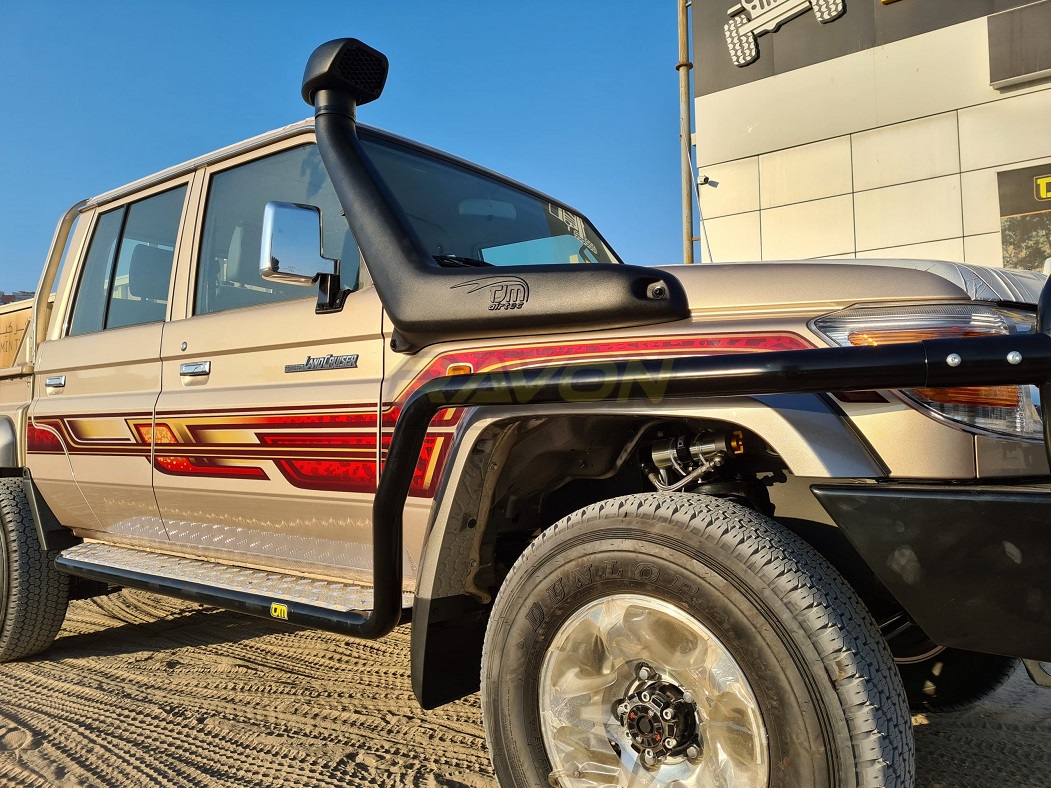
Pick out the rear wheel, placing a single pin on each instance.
(684, 640)
(33, 594)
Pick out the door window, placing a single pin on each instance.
(128, 266)
(228, 270)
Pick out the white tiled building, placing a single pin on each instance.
(888, 150)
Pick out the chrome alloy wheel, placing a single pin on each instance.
(634, 691)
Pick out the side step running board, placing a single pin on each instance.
(320, 604)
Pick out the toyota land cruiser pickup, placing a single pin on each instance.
(712, 525)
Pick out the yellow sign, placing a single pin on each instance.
(1042, 187)
(277, 610)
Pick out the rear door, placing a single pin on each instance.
(97, 382)
(266, 428)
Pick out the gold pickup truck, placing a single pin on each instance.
(690, 526)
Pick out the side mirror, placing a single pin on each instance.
(291, 248)
(290, 252)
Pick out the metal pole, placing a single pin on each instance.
(685, 136)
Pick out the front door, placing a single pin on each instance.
(266, 429)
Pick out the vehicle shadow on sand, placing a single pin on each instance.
(122, 623)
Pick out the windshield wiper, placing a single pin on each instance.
(455, 261)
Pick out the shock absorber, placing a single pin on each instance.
(692, 458)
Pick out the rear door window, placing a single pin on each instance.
(127, 271)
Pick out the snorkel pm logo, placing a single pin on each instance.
(750, 19)
(505, 292)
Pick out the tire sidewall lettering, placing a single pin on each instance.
(558, 599)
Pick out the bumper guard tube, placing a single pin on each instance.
(940, 362)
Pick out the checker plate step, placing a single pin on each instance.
(323, 604)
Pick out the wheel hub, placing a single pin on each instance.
(626, 669)
(659, 717)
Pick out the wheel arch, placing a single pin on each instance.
(51, 534)
(457, 577)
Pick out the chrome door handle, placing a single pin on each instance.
(55, 382)
(195, 369)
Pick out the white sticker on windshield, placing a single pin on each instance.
(576, 225)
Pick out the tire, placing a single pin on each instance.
(33, 594)
(742, 46)
(937, 678)
(644, 584)
(954, 679)
(828, 10)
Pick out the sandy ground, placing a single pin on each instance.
(144, 690)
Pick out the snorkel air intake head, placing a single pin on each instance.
(354, 71)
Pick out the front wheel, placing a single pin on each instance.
(673, 639)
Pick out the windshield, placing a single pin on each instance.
(465, 217)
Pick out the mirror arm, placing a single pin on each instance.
(331, 296)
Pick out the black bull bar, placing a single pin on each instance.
(983, 361)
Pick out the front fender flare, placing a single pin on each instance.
(448, 630)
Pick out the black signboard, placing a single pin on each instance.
(1020, 45)
(740, 41)
(1025, 216)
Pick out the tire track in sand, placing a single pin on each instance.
(142, 689)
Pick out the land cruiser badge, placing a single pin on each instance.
(318, 363)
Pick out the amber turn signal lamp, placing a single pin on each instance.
(980, 396)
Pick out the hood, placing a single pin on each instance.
(831, 284)
(980, 282)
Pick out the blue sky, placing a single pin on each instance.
(578, 98)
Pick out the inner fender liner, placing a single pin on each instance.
(970, 564)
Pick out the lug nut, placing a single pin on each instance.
(692, 752)
(667, 714)
(645, 697)
(687, 696)
(644, 673)
(669, 743)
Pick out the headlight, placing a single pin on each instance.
(1006, 410)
